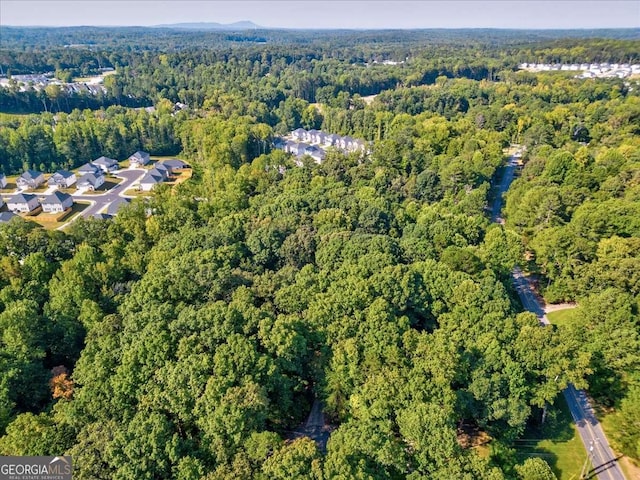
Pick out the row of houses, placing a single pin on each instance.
(300, 149)
(313, 143)
(160, 173)
(39, 82)
(90, 176)
(318, 137)
(57, 202)
(589, 70)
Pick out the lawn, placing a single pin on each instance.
(557, 442)
(50, 221)
(562, 317)
(11, 184)
(181, 176)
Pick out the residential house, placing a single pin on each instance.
(139, 159)
(30, 179)
(56, 202)
(90, 168)
(106, 164)
(116, 205)
(23, 202)
(300, 149)
(299, 133)
(173, 164)
(3, 180)
(6, 216)
(160, 169)
(357, 145)
(62, 179)
(319, 138)
(345, 142)
(151, 179)
(290, 146)
(316, 153)
(90, 181)
(331, 140)
(310, 136)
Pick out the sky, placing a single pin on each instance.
(361, 14)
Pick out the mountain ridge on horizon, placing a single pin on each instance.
(241, 25)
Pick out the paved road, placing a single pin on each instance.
(100, 201)
(503, 186)
(605, 465)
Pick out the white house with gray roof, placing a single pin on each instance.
(62, 179)
(106, 164)
(30, 179)
(90, 181)
(90, 168)
(3, 180)
(299, 133)
(139, 159)
(173, 164)
(57, 202)
(151, 179)
(23, 202)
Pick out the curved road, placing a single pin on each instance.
(102, 200)
(605, 464)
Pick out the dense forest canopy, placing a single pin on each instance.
(189, 336)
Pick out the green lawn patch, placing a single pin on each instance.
(557, 442)
(53, 221)
(9, 189)
(562, 317)
(11, 184)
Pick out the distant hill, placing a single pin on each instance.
(243, 25)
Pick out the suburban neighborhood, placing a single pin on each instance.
(587, 70)
(97, 189)
(38, 82)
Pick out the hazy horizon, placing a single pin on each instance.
(325, 14)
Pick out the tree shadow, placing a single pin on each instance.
(557, 427)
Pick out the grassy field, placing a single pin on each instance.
(557, 442)
(561, 317)
(11, 184)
